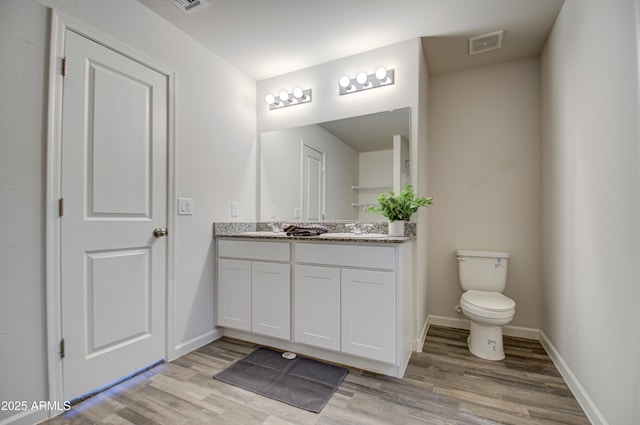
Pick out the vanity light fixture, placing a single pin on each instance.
(284, 98)
(362, 81)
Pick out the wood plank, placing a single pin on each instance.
(443, 385)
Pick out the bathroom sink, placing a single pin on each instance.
(270, 234)
(355, 236)
(264, 233)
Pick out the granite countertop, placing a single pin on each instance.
(337, 233)
(326, 237)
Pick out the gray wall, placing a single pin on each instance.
(484, 175)
(591, 202)
(215, 118)
(23, 108)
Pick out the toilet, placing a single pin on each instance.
(483, 277)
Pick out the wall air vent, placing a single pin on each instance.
(486, 42)
(190, 6)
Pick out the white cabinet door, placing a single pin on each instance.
(369, 314)
(234, 294)
(317, 306)
(271, 299)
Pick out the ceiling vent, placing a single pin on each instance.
(190, 6)
(486, 42)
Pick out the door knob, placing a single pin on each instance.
(159, 232)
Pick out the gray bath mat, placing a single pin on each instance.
(301, 382)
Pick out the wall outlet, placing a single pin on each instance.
(274, 211)
(296, 213)
(185, 206)
(235, 207)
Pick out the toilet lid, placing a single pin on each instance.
(494, 301)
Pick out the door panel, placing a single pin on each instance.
(114, 185)
(119, 123)
(109, 275)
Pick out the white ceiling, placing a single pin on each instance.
(265, 38)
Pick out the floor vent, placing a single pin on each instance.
(486, 42)
(191, 6)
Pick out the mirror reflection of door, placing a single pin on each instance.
(401, 170)
(313, 183)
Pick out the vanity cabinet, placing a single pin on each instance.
(345, 299)
(345, 302)
(254, 287)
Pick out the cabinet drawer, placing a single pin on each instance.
(374, 257)
(253, 250)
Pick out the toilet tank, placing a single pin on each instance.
(482, 270)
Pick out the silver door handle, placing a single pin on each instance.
(159, 232)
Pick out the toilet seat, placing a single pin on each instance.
(491, 305)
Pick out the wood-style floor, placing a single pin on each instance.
(445, 384)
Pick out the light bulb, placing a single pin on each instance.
(381, 73)
(345, 82)
(297, 92)
(284, 96)
(270, 99)
(361, 78)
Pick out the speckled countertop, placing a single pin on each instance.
(337, 232)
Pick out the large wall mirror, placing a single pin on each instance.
(332, 170)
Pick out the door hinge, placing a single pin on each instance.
(62, 348)
(61, 207)
(64, 66)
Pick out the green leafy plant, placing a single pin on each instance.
(401, 206)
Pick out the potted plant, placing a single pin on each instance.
(399, 208)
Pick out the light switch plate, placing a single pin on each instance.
(185, 206)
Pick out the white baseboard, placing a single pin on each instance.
(194, 343)
(454, 322)
(422, 336)
(589, 407)
(449, 322)
(28, 417)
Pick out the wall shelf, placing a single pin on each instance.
(372, 187)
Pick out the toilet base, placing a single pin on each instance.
(485, 341)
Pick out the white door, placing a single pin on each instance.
(114, 186)
(313, 171)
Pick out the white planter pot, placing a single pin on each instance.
(396, 228)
